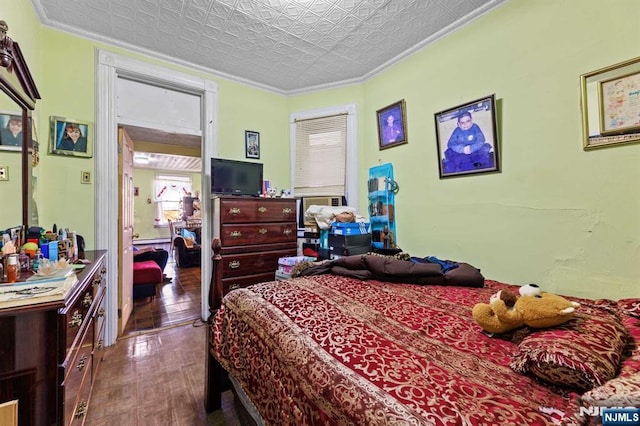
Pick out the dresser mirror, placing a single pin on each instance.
(17, 157)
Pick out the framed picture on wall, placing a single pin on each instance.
(392, 125)
(467, 139)
(11, 131)
(71, 137)
(610, 107)
(252, 144)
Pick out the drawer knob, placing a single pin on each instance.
(234, 210)
(287, 231)
(81, 410)
(87, 301)
(98, 280)
(234, 287)
(100, 344)
(262, 231)
(76, 319)
(82, 362)
(235, 234)
(262, 209)
(103, 270)
(234, 264)
(100, 312)
(287, 211)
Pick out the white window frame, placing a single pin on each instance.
(184, 180)
(351, 171)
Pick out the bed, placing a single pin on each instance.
(334, 349)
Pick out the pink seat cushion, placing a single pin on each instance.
(146, 272)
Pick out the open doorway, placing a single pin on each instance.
(167, 184)
(112, 70)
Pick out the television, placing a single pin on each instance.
(233, 177)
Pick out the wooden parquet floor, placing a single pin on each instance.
(177, 301)
(155, 373)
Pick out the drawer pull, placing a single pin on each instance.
(76, 319)
(100, 344)
(235, 234)
(100, 312)
(81, 410)
(234, 287)
(87, 301)
(287, 232)
(262, 231)
(234, 210)
(97, 280)
(234, 264)
(262, 209)
(287, 211)
(82, 363)
(103, 270)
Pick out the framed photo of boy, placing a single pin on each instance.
(467, 139)
(251, 144)
(11, 131)
(71, 137)
(392, 125)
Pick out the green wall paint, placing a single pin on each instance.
(144, 212)
(556, 215)
(23, 28)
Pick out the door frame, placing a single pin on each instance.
(109, 67)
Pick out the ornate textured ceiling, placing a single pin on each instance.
(288, 46)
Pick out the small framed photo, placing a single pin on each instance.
(71, 137)
(392, 125)
(11, 131)
(251, 144)
(467, 138)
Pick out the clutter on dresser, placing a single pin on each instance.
(35, 248)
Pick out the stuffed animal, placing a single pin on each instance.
(533, 308)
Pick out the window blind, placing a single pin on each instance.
(321, 155)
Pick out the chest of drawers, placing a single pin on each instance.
(51, 350)
(251, 234)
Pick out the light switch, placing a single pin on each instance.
(86, 177)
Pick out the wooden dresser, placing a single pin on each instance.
(51, 350)
(250, 235)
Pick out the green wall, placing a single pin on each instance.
(69, 92)
(145, 212)
(556, 215)
(23, 28)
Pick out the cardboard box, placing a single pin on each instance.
(352, 228)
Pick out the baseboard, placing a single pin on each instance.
(152, 241)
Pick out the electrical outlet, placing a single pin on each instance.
(86, 177)
(4, 173)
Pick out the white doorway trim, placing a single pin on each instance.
(110, 66)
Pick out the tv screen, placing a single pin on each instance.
(232, 177)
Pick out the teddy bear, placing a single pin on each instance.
(506, 311)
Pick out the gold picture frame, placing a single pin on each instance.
(392, 125)
(610, 103)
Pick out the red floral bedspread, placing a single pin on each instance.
(335, 350)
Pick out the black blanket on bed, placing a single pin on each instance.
(372, 267)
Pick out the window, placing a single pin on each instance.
(324, 154)
(169, 191)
